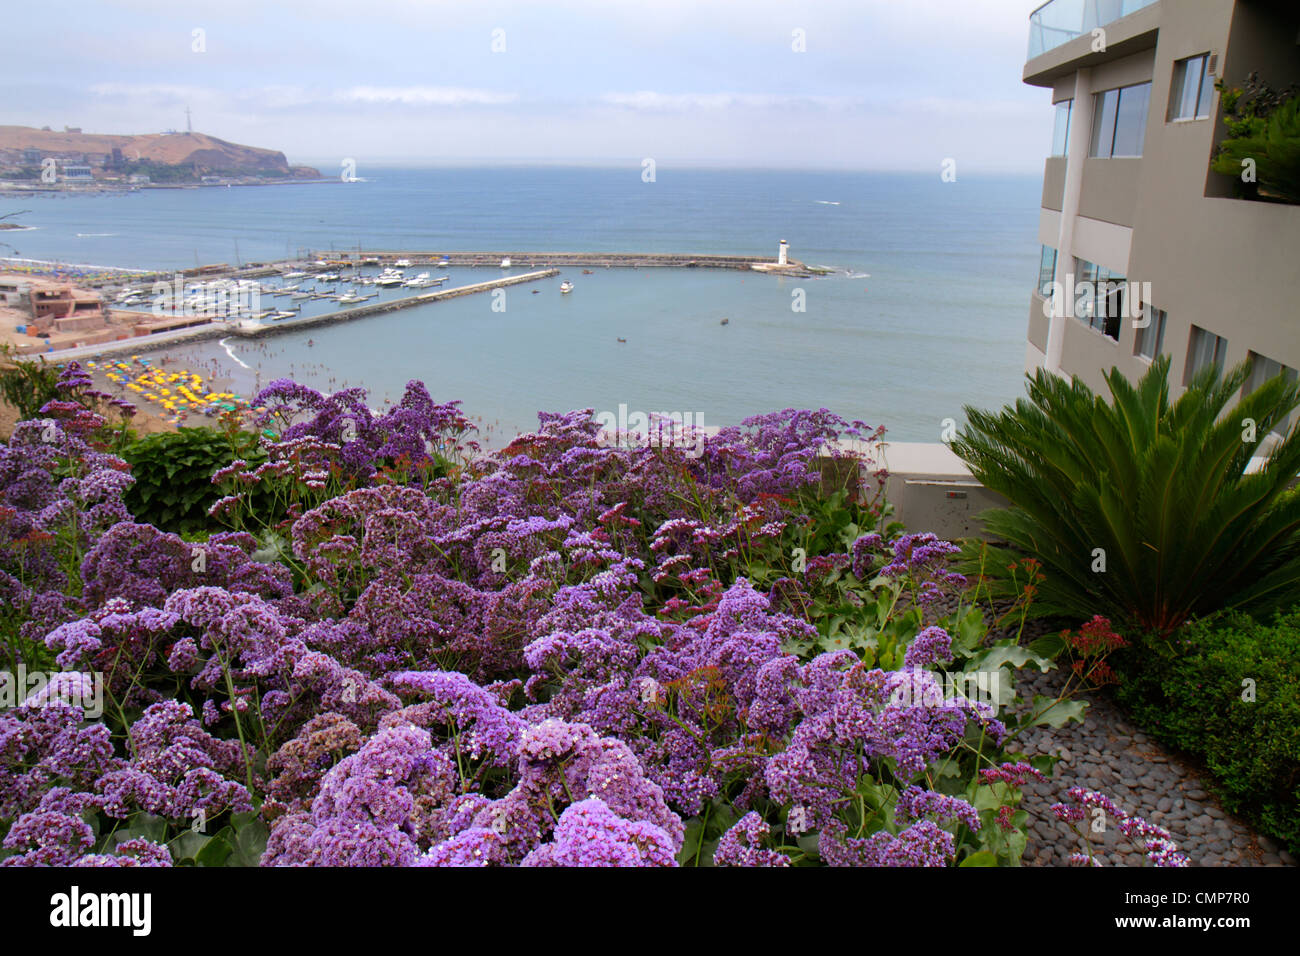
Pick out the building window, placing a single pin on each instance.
(1150, 340)
(1099, 297)
(1204, 349)
(1119, 121)
(1061, 131)
(1046, 271)
(1193, 89)
(1261, 370)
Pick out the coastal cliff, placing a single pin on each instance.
(168, 157)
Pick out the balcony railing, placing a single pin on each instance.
(1060, 21)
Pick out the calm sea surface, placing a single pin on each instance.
(926, 311)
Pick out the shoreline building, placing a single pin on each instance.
(1176, 262)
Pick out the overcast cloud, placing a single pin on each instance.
(901, 84)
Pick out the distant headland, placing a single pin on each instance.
(50, 159)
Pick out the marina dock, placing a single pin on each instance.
(167, 329)
(214, 330)
(377, 308)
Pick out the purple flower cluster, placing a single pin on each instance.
(922, 560)
(548, 656)
(1156, 841)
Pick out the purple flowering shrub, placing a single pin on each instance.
(564, 653)
(60, 490)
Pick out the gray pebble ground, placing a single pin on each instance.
(1108, 754)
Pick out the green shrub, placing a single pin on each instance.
(1263, 128)
(27, 384)
(173, 487)
(1196, 698)
(1140, 509)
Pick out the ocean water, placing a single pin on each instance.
(925, 313)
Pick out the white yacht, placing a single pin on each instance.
(566, 286)
(403, 263)
(505, 263)
(389, 278)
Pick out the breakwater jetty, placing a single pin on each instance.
(596, 260)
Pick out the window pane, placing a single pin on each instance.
(1149, 341)
(1097, 13)
(1206, 349)
(1187, 86)
(1103, 123)
(1261, 370)
(1061, 131)
(1207, 92)
(1200, 353)
(1046, 270)
(1131, 122)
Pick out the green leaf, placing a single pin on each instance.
(1049, 645)
(216, 851)
(188, 845)
(982, 858)
(1060, 712)
(691, 841)
(250, 840)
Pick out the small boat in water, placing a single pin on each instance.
(403, 263)
(623, 340)
(505, 263)
(724, 321)
(586, 272)
(566, 286)
(389, 278)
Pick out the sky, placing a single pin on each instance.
(842, 84)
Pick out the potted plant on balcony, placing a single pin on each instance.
(1263, 127)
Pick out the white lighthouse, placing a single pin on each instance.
(783, 253)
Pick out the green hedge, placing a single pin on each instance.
(173, 487)
(1195, 699)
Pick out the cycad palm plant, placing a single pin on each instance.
(1155, 492)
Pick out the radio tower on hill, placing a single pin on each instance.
(189, 127)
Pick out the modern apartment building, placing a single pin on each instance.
(1177, 263)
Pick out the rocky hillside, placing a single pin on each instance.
(207, 153)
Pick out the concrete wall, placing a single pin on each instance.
(1038, 321)
(1104, 243)
(931, 489)
(1053, 183)
(1124, 37)
(1110, 188)
(1224, 264)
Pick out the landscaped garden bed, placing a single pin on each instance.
(368, 643)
